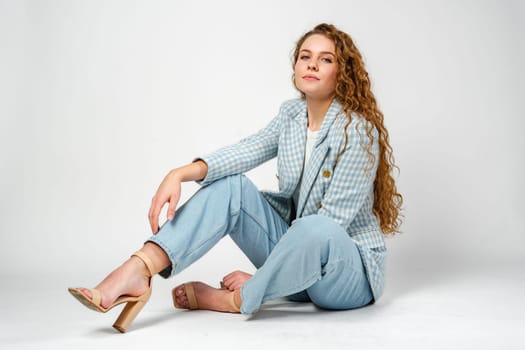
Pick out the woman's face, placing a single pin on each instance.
(316, 67)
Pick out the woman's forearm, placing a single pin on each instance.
(192, 172)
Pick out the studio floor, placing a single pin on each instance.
(475, 307)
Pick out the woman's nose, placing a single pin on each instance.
(313, 66)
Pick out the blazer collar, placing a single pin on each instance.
(333, 111)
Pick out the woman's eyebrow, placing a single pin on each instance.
(322, 52)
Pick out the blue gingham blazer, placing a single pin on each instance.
(342, 191)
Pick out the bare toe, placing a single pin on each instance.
(179, 296)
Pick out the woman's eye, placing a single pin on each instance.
(327, 60)
(304, 57)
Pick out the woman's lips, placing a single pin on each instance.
(310, 77)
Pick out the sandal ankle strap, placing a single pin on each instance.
(147, 261)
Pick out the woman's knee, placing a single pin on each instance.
(315, 228)
(223, 188)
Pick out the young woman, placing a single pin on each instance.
(319, 239)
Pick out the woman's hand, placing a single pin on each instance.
(168, 192)
(235, 280)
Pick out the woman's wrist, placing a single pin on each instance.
(176, 175)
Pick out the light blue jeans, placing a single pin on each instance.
(313, 259)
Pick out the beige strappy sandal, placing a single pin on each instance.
(133, 304)
(192, 300)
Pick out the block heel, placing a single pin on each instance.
(128, 314)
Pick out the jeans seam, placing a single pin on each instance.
(259, 225)
(188, 252)
(241, 202)
(220, 228)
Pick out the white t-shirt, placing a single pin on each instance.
(311, 137)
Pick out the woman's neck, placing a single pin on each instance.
(316, 112)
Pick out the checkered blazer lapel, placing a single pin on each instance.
(318, 156)
(290, 160)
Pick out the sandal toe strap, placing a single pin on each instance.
(190, 294)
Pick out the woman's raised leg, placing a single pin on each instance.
(232, 205)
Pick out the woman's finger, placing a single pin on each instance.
(154, 215)
(171, 207)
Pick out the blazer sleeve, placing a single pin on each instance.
(244, 155)
(352, 184)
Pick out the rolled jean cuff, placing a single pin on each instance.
(168, 271)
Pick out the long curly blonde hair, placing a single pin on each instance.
(353, 92)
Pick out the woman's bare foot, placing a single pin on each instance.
(236, 279)
(209, 298)
(131, 279)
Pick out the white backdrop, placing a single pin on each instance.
(99, 99)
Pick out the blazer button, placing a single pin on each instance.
(327, 173)
(319, 205)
